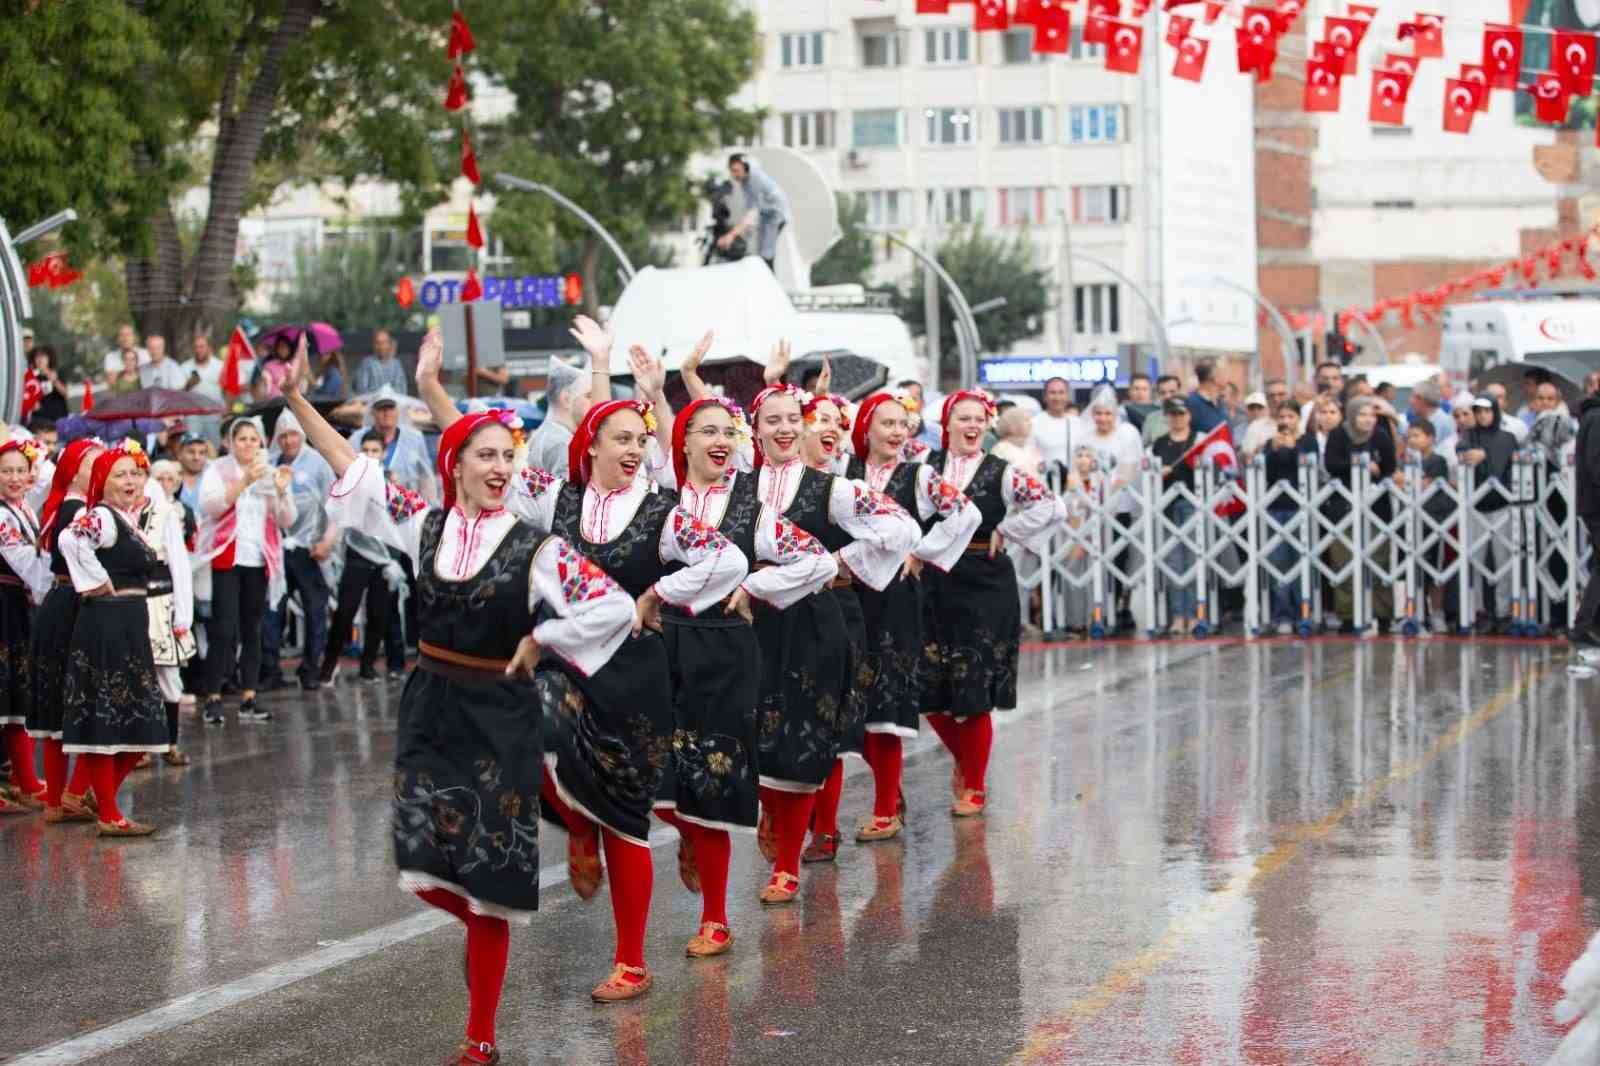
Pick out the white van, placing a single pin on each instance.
(1403, 376)
(1562, 335)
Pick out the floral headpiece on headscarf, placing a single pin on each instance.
(455, 437)
(950, 402)
(680, 430)
(782, 388)
(578, 464)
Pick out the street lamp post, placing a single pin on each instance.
(16, 307)
(1279, 325)
(1158, 328)
(511, 181)
(968, 339)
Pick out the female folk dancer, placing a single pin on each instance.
(469, 754)
(894, 644)
(973, 615)
(112, 703)
(171, 604)
(803, 712)
(52, 632)
(604, 762)
(25, 580)
(716, 662)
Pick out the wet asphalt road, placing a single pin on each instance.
(1285, 853)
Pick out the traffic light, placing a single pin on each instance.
(1338, 346)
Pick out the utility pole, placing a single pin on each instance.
(930, 288)
(1066, 304)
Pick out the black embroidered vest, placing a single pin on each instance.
(487, 614)
(633, 557)
(984, 490)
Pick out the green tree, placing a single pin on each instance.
(350, 284)
(850, 259)
(613, 100)
(985, 267)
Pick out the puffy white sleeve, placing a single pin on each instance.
(593, 614)
(665, 477)
(182, 575)
(531, 496)
(1035, 510)
(93, 529)
(959, 518)
(24, 557)
(712, 568)
(365, 500)
(884, 534)
(800, 564)
(44, 472)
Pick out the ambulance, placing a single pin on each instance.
(1560, 335)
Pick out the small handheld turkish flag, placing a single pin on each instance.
(1178, 28)
(1460, 105)
(1191, 62)
(1322, 85)
(1550, 99)
(1122, 51)
(1052, 30)
(1477, 80)
(1572, 55)
(990, 15)
(1388, 103)
(1502, 55)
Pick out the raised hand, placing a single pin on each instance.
(777, 363)
(825, 378)
(430, 357)
(692, 361)
(592, 337)
(648, 374)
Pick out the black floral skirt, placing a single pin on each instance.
(111, 701)
(716, 673)
(804, 658)
(16, 655)
(973, 622)
(52, 631)
(467, 767)
(894, 668)
(608, 736)
(858, 682)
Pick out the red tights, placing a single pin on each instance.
(713, 850)
(886, 757)
(55, 774)
(969, 741)
(19, 749)
(631, 874)
(488, 944)
(790, 812)
(825, 815)
(106, 774)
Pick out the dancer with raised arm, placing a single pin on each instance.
(974, 618)
(496, 596)
(25, 580)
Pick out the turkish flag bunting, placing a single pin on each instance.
(1255, 54)
(455, 96)
(461, 41)
(1322, 85)
(1362, 12)
(469, 160)
(1572, 56)
(1171, 5)
(1502, 55)
(1213, 11)
(1178, 27)
(472, 288)
(1403, 63)
(1530, 269)
(1585, 267)
(1137, 9)
(1262, 25)
(1026, 12)
(1388, 103)
(474, 232)
(1191, 62)
(1288, 11)
(1460, 105)
(1477, 80)
(1343, 36)
(1097, 29)
(1550, 98)
(238, 351)
(933, 7)
(1052, 32)
(1122, 50)
(1427, 35)
(1552, 260)
(1108, 8)
(989, 15)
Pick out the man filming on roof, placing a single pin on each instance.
(766, 209)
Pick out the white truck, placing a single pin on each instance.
(1560, 335)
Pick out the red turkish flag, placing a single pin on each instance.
(1191, 62)
(1178, 27)
(1255, 53)
(1403, 63)
(1137, 9)
(239, 350)
(474, 231)
(1026, 12)
(472, 288)
(405, 293)
(1213, 10)
(1096, 29)
(461, 41)
(1108, 8)
(1572, 55)
(1502, 55)
(1343, 36)
(1427, 35)
(1122, 50)
(469, 160)
(455, 95)
(88, 396)
(1388, 102)
(933, 7)
(1477, 80)
(1052, 32)
(1362, 12)
(990, 15)
(1288, 11)
(32, 393)
(1550, 98)
(1322, 85)
(1262, 25)
(1460, 105)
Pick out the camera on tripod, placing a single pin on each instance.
(720, 194)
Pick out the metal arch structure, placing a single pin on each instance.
(968, 339)
(1279, 324)
(625, 269)
(16, 307)
(1159, 328)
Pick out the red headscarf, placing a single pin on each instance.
(838, 401)
(27, 446)
(66, 471)
(783, 388)
(680, 430)
(869, 407)
(578, 451)
(950, 402)
(100, 472)
(455, 437)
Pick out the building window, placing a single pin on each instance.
(1095, 312)
(881, 49)
(1095, 124)
(808, 129)
(1018, 48)
(1023, 125)
(878, 128)
(951, 125)
(1024, 205)
(801, 49)
(952, 206)
(1080, 50)
(949, 45)
(886, 208)
(1100, 203)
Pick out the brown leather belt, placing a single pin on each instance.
(978, 547)
(456, 663)
(64, 580)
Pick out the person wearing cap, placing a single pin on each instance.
(405, 450)
(567, 399)
(307, 543)
(1487, 448)
(1260, 427)
(194, 452)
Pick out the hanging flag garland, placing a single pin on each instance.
(461, 44)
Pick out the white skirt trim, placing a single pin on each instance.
(550, 761)
(892, 730)
(14, 719)
(111, 749)
(787, 786)
(413, 882)
(726, 827)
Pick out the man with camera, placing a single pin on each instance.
(766, 213)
